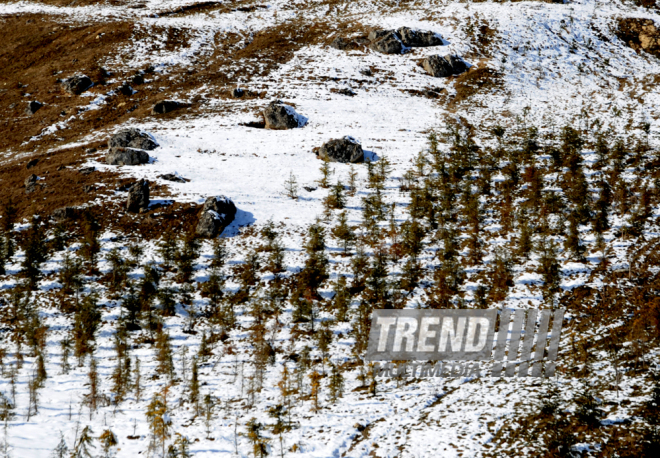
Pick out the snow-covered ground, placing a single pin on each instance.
(559, 65)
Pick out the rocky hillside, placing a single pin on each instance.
(203, 202)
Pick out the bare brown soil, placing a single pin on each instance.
(474, 81)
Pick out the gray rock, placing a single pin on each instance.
(237, 93)
(342, 44)
(31, 183)
(390, 43)
(375, 35)
(217, 213)
(418, 38)
(133, 138)
(32, 179)
(173, 177)
(64, 213)
(344, 150)
(279, 116)
(165, 106)
(31, 163)
(33, 107)
(86, 170)
(126, 156)
(138, 197)
(439, 66)
(125, 89)
(77, 84)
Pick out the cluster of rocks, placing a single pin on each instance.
(129, 147)
(401, 40)
(391, 41)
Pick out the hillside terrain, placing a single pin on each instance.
(490, 154)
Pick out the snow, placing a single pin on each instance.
(556, 69)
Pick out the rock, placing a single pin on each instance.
(237, 93)
(138, 197)
(366, 72)
(310, 188)
(344, 150)
(89, 188)
(640, 34)
(31, 183)
(32, 163)
(33, 107)
(64, 213)
(347, 91)
(77, 84)
(173, 177)
(375, 35)
(418, 38)
(343, 44)
(390, 43)
(133, 138)
(86, 170)
(439, 66)
(217, 213)
(165, 106)
(138, 79)
(125, 89)
(279, 116)
(126, 156)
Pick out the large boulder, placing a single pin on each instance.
(165, 106)
(390, 43)
(138, 197)
(77, 84)
(133, 138)
(217, 213)
(440, 66)
(279, 116)
(344, 150)
(126, 156)
(412, 38)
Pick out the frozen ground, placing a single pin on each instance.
(559, 64)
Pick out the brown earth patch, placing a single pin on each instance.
(64, 182)
(474, 81)
(36, 52)
(640, 34)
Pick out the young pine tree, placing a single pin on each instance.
(35, 252)
(343, 233)
(91, 246)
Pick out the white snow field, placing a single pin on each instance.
(559, 64)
